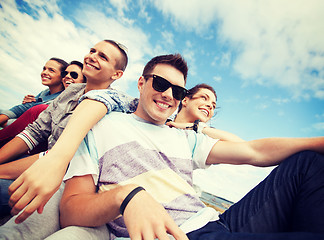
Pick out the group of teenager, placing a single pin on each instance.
(127, 170)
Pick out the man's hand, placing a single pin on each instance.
(35, 187)
(28, 99)
(145, 218)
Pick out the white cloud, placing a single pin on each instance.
(168, 37)
(281, 101)
(27, 42)
(319, 126)
(217, 78)
(278, 42)
(231, 182)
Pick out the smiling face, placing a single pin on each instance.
(99, 65)
(67, 80)
(51, 74)
(201, 106)
(155, 106)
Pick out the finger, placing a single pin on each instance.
(16, 195)
(26, 198)
(31, 208)
(148, 234)
(161, 234)
(13, 186)
(176, 232)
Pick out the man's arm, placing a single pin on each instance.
(144, 217)
(211, 132)
(39, 182)
(262, 152)
(12, 150)
(12, 170)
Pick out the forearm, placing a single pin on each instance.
(12, 150)
(92, 209)
(84, 117)
(222, 135)
(273, 150)
(12, 170)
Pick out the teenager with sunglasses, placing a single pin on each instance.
(72, 74)
(51, 77)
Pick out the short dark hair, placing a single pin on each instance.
(62, 62)
(192, 91)
(121, 63)
(79, 64)
(174, 60)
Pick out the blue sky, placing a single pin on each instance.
(264, 58)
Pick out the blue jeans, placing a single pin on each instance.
(4, 197)
(288, 204)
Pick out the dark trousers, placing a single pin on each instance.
(288, 204)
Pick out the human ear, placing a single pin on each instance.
(140, 84)
(185, 101)
(118, 74)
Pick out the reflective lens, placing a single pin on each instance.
(161, 85)
(74, 75)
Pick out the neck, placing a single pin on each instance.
(182, 118)
(94, 86)
(55, 89)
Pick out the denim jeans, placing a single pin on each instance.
(288, 204)
(4, 197)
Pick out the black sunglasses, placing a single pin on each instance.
(74, 75)
(161, 85)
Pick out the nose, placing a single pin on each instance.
(167, 94)
(92, 56)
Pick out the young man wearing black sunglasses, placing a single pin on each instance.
(143, 170)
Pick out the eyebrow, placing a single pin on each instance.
(100, 52)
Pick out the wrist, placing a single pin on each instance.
(128, 198)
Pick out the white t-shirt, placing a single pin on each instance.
(123, 149)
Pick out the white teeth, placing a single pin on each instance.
(90, 66)
(204, 111)
(162, 105)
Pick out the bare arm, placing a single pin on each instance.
(262, 152)
(43, 178)
(13, 169)
(144, 217)
(12, 150)
(211, 132)
(222, 135)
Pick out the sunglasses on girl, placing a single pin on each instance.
(161, 85)
(74, 75)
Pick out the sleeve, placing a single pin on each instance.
(85, 160)
(113, 99)
(201, 146)
(40, 129)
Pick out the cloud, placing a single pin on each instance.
(168, 37)
(319, 126)
(231, 182)
(277, 43)
(29, 40)
(217, 78)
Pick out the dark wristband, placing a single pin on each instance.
(128, 198)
